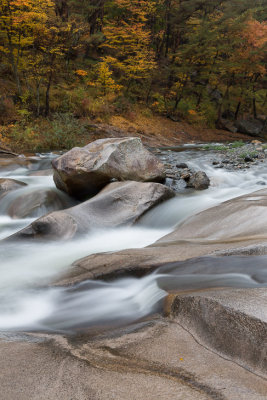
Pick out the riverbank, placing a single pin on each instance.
(65, 132)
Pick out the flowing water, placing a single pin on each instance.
(27, 302)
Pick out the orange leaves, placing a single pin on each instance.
(81, 72)
(255, 33)
(249, 50)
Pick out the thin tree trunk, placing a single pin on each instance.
(38, 84)
(254, 104)
(148, 93)
(254, 108)
(237, 110)
(14, 66)
(220, 109)
(168, 27)
(177, 101)
(47, 94)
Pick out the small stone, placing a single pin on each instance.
(186, 176)
(182, 165)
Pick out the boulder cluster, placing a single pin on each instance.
(111, 182)
(115, 181)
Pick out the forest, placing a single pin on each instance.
(65, 61)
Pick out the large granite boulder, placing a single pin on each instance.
(237, 226)
(120, 203)
(85, 171)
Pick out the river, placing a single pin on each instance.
(29, 303)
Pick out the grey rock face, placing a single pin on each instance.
(197, 236)
(251, 127)
(85, 171)
(120, 203)
(233, 321)
(199, 180)
(6, 185)
(34, 204)
(228, 125)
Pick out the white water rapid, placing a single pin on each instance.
(26, 269)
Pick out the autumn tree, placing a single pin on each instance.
(18, 20)
(128, 41)
(204, 57)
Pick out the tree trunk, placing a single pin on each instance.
(14, 66)
(177, 101)
(255, 108)
(220, 109)
(199, 99)
(168, 27)
(38, 98)
(237, 110)
(47, 94)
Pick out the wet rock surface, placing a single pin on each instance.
(170, 358)
(120, 203)
(236, 156)
(7, 185)
(209, 344)
(198, 180)
(34, 204)
(197, 236)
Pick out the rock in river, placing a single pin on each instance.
(120, 203)
(199, 235)
(33, 204)
(7, 185)
(199, 180)
(85, 171)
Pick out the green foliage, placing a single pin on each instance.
(62, 133)
(215, 147)
(250, 154)
(237, 144)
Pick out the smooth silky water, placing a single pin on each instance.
(28, 303)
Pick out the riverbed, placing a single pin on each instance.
(30, 301)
